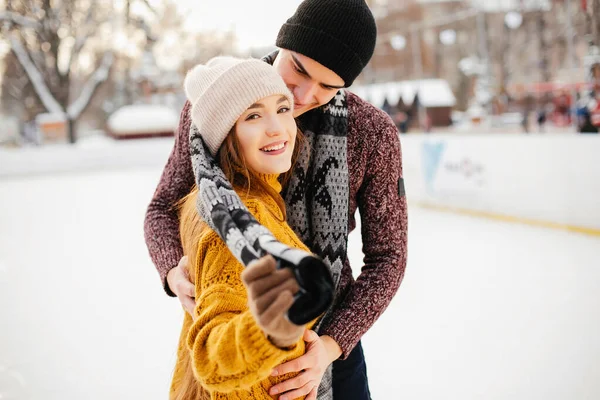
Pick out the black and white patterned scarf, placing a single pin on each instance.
(317, 196)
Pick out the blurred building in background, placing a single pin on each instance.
(523, 47)
(512, 59)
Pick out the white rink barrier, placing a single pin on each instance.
(89, 154)
(547, 180)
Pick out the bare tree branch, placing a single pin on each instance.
(35, 77)
(16, 85)
(18, 19)
(89, 88)
(150, 7)
(81, 40)
(15, 92)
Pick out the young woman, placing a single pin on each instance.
(238, 332)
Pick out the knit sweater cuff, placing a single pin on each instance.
(167, 260)
(343, 338)
(267, 355)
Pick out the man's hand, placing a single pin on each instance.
(320, 352)
(178, 279)
(270, 294)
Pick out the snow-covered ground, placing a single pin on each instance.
(487, 310)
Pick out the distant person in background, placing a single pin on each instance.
(584, 122)
(401, 120)
(387, 107)
(398, 113)
(402, 117)
(527, 105)
(561, 113)
(588, 110)
(542, 115)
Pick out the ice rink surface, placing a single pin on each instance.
(487, 310)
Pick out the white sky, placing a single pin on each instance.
(255, 22)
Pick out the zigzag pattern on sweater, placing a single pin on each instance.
(336, 111)
(319, 189)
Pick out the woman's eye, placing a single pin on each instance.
(252, 116)
(298, 70)
(283, 110)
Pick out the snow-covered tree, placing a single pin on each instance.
(61, 47)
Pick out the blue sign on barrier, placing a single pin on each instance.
(432, 153)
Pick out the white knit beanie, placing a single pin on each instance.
(223, 89)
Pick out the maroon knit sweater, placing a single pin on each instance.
(375, 168)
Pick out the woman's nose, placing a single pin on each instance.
(274, 127)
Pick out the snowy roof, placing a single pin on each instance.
(511, 5)
(47, 118)
(143, 118)
(432, 92)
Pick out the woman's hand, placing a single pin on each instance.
(270, 295)
(320, 352)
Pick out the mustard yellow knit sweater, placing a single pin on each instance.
(231, 356)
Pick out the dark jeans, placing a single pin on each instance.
(350, 377)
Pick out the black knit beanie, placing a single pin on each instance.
(339, 34)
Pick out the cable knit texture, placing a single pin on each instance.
(231, 356)
(374, 165)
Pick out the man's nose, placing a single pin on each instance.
(305, 93)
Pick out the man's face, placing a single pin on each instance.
(311, 83)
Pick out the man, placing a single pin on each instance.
(354, 161)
